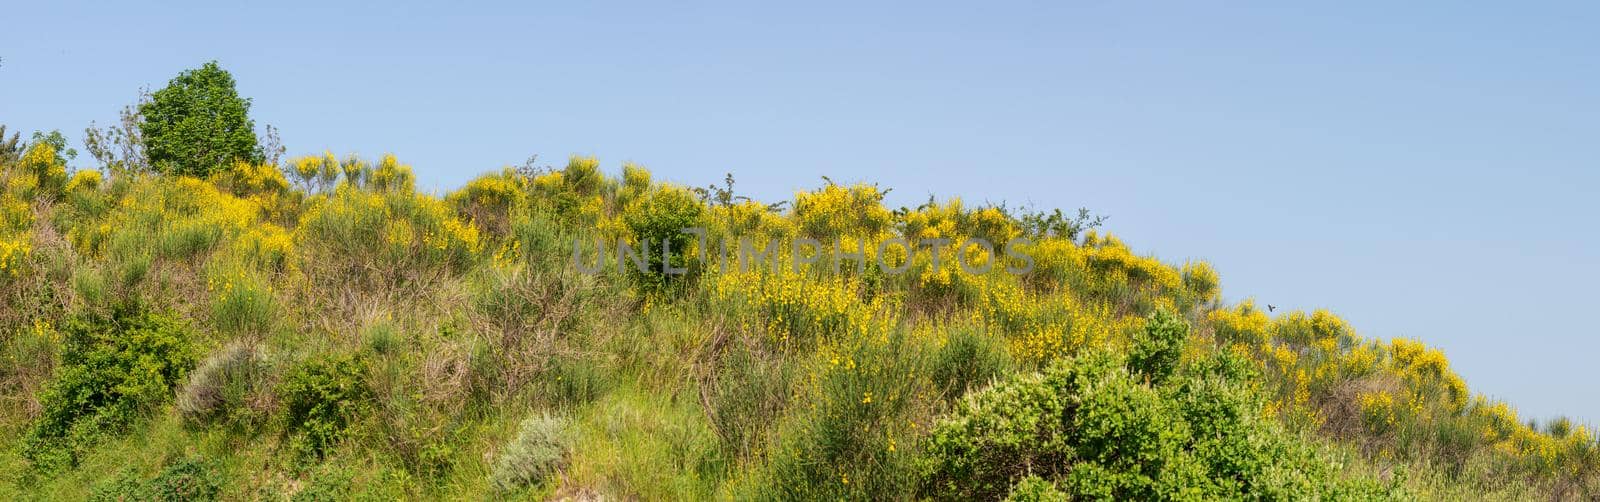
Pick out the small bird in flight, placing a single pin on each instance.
(1271, 307)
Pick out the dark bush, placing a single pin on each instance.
(113, 370)
(189, 479)
(322, 398)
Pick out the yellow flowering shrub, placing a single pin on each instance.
(489, 200)
(635, 183)
(933, 221)
(1379, 411)
(992, 224)
(242, 299)
(265, 245)
(315, 173)
(1321, 330)
(394, 234)
(1116, 264)
(84, 180)
(15, 214)
(582, 175)
(13, 255)
(1427, 367)
(752, 220)
(1201, 282)
(1241, 324)
(167, 217)
(795, 309)
(247, 178)
(40, 171)
(1056, 263)
(1040, 329)
(836, 210)
(392, 176)
(574, 194)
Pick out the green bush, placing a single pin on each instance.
(189, 479)
(1036, 489)
(322, 399)
(996, 436)
(539, 450)
(656, 221)
(113, 370)
(1106, 428)
(1157, 349)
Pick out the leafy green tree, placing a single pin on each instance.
(198, 124)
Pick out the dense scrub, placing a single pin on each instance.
(321, 329)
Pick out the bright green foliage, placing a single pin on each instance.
(1101, 431)
(198, 124)
(1156, 351)
(113, 370)
(996, 436)
(539, 449)
(657, 223)
(322, 399)
(188, 479)
(1036, 489)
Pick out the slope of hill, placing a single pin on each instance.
(324, 330)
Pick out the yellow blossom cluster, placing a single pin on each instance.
(796, 309)
(392, 176)
(13, 255)
(84, 180)
(1379, 410)
(1040, 328)
(39, 171)
(266, 244)
(1110, 258)
(836, 210)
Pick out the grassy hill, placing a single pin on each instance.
(321, 330)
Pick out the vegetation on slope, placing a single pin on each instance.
(320, 329)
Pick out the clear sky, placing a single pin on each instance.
(1422, 169)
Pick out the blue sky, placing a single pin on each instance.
(1423, 169)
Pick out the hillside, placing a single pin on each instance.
(196, 318)
(322, 329)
